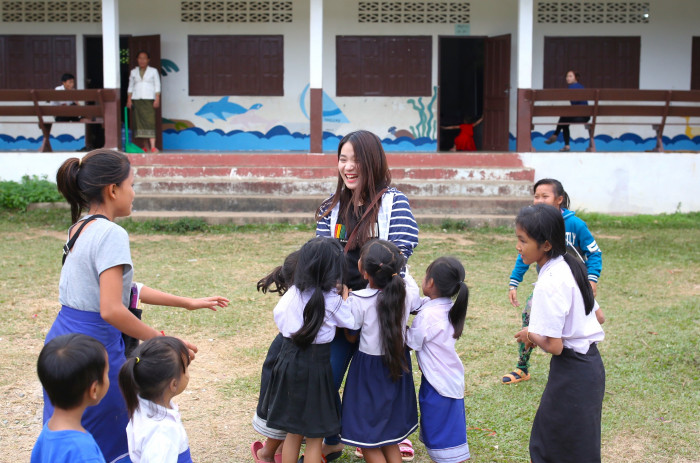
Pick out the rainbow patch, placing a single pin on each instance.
(340, 231)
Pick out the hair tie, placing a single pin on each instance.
(393, 275)
(137, 360)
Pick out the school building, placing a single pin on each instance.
(297, 75)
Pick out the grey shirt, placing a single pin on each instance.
(100, 246)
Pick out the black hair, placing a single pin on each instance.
(67, 76)
(577, 74)
(144, 52)
(373, 168)
(68, 365)
(383, 262)
(544, 223)
(320, 268)
(448, 275)
(280, 278)
(148, 373)
(81, 181)
(557, 187)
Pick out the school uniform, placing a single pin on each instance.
(443, 427)
(156, 434)
(567, 425)
(300, 397)
(260, 416)
(102, 245)
(66, 446)
(377, 411)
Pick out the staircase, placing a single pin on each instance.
(475, 188)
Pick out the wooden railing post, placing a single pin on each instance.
(112, 119)
(524, 122)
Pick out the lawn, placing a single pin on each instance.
(649, 290)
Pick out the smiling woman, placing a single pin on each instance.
(364, 206)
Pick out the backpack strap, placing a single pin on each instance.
(364, 216)
(71, 242)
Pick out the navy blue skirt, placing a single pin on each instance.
(443, 426)
(260, 418)
(107, 420)
(567, 424)
(377, 411)
(300, 396)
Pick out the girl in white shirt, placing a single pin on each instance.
(301, 398)
(433, 333)
(379, 399)
(149, 380)
(563, 323)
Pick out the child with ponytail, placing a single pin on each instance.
(301, 398)
(433, 334)
(562, 323)
(149, 380)
(379, 400)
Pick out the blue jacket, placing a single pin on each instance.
(578, 236)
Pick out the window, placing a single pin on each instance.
(604, 62)
(222, 65)
(383, 66)
(35, 61)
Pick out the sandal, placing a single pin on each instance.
(565, 149)
(551, 139)
(358, 453)
(515, 376)
(406, 448)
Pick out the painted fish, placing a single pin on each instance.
(223, 109)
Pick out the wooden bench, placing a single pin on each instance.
(96, 106)
(646, 107)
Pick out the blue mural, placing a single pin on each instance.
(331, 111)
(276, 139)
(606, 143)
(223, 109)
(167, 66)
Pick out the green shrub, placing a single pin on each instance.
(16, 196)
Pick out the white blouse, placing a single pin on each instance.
(431, 336)
(289, 314)
(558, 310)
(146, 87)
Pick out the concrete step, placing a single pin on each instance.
(321, 187)
(244, 218)
(309, 203)
(330, 173)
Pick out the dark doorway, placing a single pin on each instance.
(695, 65)
(94, 78)
(461, 83)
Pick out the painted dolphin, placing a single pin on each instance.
(223, 109)
(331, 111)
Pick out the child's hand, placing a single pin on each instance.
(210, 303)
(191, 348)
(521, 336)
(513, 296)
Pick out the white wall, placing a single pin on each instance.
(623, 183)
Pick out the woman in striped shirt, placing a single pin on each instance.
(363, 175)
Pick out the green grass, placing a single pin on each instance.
(649, 290)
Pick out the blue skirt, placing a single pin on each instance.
(376, 410)
(107, 420)
(443, 426)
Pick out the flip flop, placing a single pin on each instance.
(324, 459)
(515, 376)
(254, 447)
(406, 448)
(358, 453)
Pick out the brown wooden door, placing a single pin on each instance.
(496, 93)
(151, 44)
(695, 65)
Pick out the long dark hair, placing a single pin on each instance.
(280, 278)
(383, 262)
(374, 176)
(320, 268)
(544, 223)
(448, 275)
(81, 181)
(558, 190)
(148, 373)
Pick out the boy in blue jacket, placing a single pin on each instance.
(578, 237)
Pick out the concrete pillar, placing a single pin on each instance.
(525, 21)
(316, 75)
(110, 43)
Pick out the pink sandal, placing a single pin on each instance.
(406, 448)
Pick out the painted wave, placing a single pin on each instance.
(58, 143)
